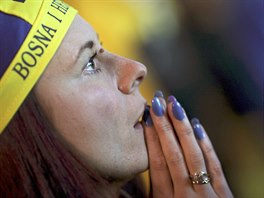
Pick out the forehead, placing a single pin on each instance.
(78, 34)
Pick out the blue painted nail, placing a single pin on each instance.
(158, 94)
(171, 99)
(195, 121)
(177, 110)
(157, 107)
(146, 117)
(197, 128)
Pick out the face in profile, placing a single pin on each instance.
(91, 97)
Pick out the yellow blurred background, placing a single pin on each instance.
(186, 48)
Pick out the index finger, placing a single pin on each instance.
(170, 146)
(159, 173)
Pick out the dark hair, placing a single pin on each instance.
(34, 163)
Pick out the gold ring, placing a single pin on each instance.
(200, 177)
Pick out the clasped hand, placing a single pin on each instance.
(180, 154)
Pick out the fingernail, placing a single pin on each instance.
(177, 110)
(171, 99)
(146, 117)
(157, 107)
(159, 94)
(197, 128)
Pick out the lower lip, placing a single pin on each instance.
(138, 126)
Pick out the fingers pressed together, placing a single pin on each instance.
(178, 149)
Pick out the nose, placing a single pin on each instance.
(130, 74)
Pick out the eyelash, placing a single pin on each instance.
(86, 66)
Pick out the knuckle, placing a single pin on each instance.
(208, 150)
(166, 127)
(196, 158)
(175, 159)
(216, 170)
(158, 164)
(151, 138)
(185, 131)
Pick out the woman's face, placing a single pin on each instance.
(92, 99)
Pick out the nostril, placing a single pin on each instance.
(130, 75)
(140, 79)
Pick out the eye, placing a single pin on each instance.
(90, 67)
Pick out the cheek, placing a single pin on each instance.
(93, 109)
(104, 106)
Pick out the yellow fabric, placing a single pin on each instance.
(51, 22)
(28, 10)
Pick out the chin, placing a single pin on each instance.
(129, 171)
(139, 166)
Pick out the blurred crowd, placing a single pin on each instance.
(210, 55)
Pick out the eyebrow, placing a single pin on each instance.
(88, 44)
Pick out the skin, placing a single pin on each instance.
(95, 114)
(175, 153)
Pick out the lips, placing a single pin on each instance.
(139, 120)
